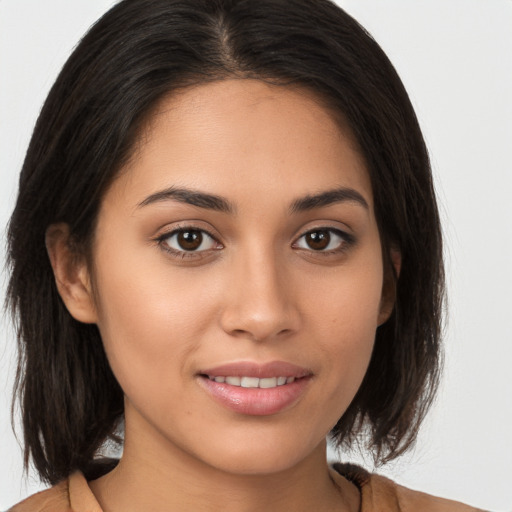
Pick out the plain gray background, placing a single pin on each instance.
(455, 58)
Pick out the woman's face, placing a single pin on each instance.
(239, 247)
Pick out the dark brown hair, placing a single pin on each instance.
(135, 54)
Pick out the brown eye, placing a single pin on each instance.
(324, 240)
(318, 240)
(188, 240)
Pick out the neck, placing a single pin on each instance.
(159, 476)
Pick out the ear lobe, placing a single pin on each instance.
(392, 269)
(71, 274)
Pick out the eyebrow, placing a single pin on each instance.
(217, 203)
(327, 198)
(190, 196)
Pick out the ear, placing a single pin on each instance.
(392, 267)
(71, 274)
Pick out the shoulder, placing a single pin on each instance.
(70, 495)
(410, 500)
(381, 494)
(55, 499)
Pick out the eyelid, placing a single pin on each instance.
(182, 253)
(347, 240)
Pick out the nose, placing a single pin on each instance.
(260, 303)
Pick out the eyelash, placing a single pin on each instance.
(163, 239)
(346, 240)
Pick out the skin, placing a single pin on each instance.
(257, 292)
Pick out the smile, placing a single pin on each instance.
(256, 389)
(253, 382)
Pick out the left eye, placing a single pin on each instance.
(188, 240)
(322, 240)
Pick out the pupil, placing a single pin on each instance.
(190, 240)
(318, 240)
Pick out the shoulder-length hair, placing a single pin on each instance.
(138, 52)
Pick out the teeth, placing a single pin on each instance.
(253, 382)
(250, 382)
(270, 382)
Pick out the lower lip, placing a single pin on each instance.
(255, 401)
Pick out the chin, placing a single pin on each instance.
(259, 457)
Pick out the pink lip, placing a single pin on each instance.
(256, 401)
(251, 369)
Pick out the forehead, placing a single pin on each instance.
(241, 135)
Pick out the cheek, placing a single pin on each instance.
(346, 303)
(150, 319)
(347, 320)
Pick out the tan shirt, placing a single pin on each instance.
(378, 494)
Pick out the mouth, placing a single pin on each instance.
(256, 389)
(252, 382)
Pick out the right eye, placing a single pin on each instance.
(187, 240)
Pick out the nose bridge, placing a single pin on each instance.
(259, 303)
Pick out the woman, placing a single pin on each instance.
(226, 241)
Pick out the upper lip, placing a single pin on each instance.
(260, 370)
